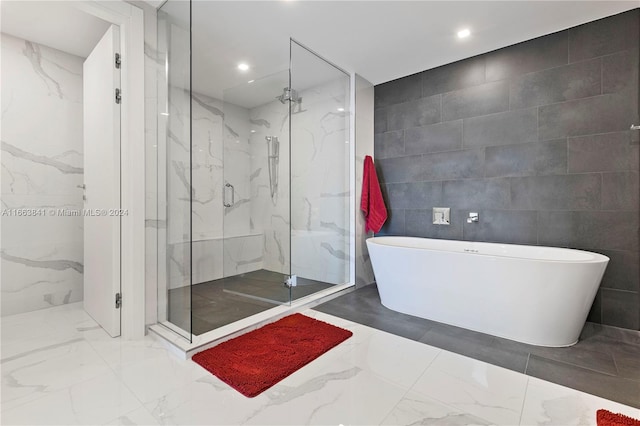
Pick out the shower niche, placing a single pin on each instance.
(253, 179)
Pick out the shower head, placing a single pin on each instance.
(285, 96)
(289, 94)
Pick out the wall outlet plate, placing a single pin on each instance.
(441, 216)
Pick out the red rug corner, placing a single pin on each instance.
(607, 418)
(255, 361)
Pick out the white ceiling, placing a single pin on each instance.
(380, 40)
(57, 24)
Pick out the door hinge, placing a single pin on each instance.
(118, 300)
(118, 61)
(118, 96)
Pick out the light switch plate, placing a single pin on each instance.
(441, 216)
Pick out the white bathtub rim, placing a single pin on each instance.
(593, 256)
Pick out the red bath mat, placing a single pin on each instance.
(255, 361)
(607, 418)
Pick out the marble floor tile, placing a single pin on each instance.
(94, 401)
(119, 353)
(550, 404)
(344, 394)
(394, 358)
(415, 409)
(205, 401)
(31, 331)
(40, 372)
(483, 390)
(157, 375)
(136, 417)
(79, 375)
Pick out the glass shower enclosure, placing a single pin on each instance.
(253, 177)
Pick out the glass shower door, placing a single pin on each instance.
(255, 192)
(320, 173)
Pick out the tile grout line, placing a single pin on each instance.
(392, 409)
(601, 75)
(524, 399)
(118, 375)
(615, 364)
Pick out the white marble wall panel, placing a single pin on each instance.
(270, 215)
(178, 165)
(178, 265)
(214, 258)
(175, 155)
(237, 166)
(42, 168)
(207, 166)
(242, 254)
(320, 180)
(319, 185)
(207, 260)
(316, 258)
(219, 153)
(220, 137)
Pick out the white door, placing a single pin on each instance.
(102, 183)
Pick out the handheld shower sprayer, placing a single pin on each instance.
(273, 158)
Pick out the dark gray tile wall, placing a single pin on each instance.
(535, 137)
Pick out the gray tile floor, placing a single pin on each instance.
(605, 362)
(221, 302)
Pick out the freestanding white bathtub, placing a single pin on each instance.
(535, 295)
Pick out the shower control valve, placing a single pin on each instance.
(473, 218)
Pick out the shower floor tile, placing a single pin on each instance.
(79, 375)
(604, 362)
(227, 300)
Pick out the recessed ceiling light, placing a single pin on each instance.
(341, 109)
(253, 131)
(250, 81)
(243, 67)
(464, 33)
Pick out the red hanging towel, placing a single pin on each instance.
(372, 203)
